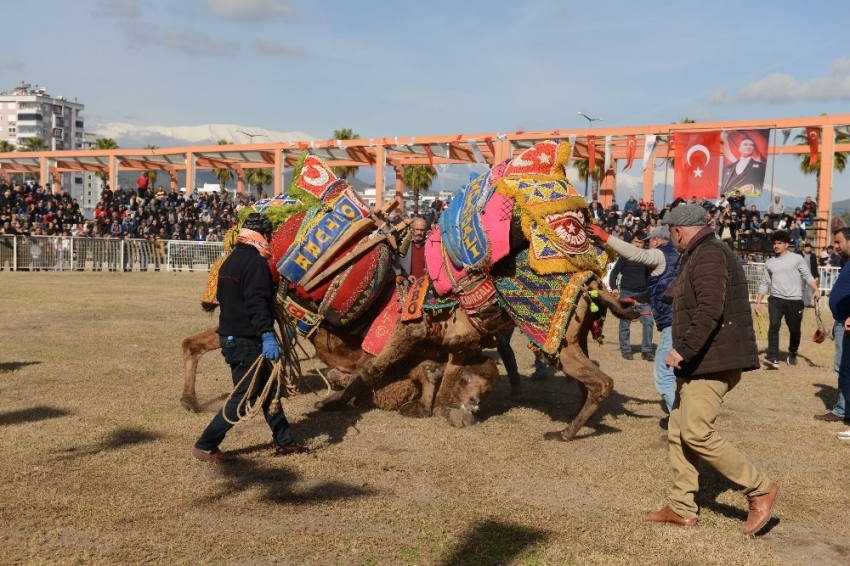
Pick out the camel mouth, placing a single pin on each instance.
(470, 408)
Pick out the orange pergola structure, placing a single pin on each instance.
(398, 152)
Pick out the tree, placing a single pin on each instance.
(418, 178)
(33, 144)
(581, 166)
(151, 174)
(6, 147)
(839, 159)
(104, 143)
(345, 172)
(223, 175)
(259, 178)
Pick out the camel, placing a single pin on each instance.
(453, 334)
(403, 390)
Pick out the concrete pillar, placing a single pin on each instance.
(824, 197)
(380, 163)
(278, 172)
(399, 188)
(240, 181)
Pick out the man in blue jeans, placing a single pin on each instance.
(246, 331)
(839, 304)
(662, 260)
(632, 285)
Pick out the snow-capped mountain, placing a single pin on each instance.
(130, 136)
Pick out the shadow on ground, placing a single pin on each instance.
(827, 394)
(278, 484)
(492, 542)
(116, 440)
(712, 483)
(31, 415)
(9, 367)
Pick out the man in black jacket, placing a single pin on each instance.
(812, 261)
(246, 331)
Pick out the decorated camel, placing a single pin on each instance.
(511, 249)
(333, 259)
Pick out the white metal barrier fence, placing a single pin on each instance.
(58, 253)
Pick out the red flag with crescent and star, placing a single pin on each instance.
(630, 152)
(591, 153)
(813, 135)
(697, 171)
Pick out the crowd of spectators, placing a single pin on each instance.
(33, 209)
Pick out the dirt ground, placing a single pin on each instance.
(96, 465)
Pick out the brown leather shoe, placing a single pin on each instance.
(667, 515)
(761, 508)
(215, 456)
(291, 448)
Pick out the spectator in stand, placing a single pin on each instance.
(142, 182)
(631, 206)
(633, 285)
(776, 208)
(810, 209)
(784, 275)
(738, 203)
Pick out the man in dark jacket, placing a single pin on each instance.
(632, 285)
(713, 342)
(246, 331)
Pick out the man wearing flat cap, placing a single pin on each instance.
(713, 342)
(662, 259)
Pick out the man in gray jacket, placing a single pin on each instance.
(785, 274)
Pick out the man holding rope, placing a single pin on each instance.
(246, 331)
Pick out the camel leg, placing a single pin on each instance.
(595, 385)
(193, 348)
(421, 406)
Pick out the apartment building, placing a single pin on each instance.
(28, 111)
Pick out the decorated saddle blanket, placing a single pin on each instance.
(540, 305)
(494, 220)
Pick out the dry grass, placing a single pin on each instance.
(96, 466)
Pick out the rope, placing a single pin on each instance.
(762, 333)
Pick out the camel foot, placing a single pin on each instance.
(414, 410)
(556, 435)
(190, 405)
(459, 418)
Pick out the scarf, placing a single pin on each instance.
(255, 239)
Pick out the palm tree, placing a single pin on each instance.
(104, 143)
(345, 172)
(418, 178)
(582, 170)
(6, 147)
(150, 174)
(33, 144)
(839, 159)
(259, 178)
(223, 175)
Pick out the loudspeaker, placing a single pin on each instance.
(758, 243)
(744, 242)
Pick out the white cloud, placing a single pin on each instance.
(785, 88)
(249, 10)
(196, 44)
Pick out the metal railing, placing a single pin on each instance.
(58, 253)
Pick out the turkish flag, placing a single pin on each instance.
(631, 142)
(698, 161)
(813, 135)
(591, 153)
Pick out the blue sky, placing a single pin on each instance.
(440, 67)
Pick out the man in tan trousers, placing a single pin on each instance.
(713, 342)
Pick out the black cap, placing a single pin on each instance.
(258, 223)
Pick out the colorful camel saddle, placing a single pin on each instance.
(540, 305)
(474, 233)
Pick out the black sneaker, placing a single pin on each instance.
(771, 364)
(628, 356)
(648, 357)
(792, 360)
